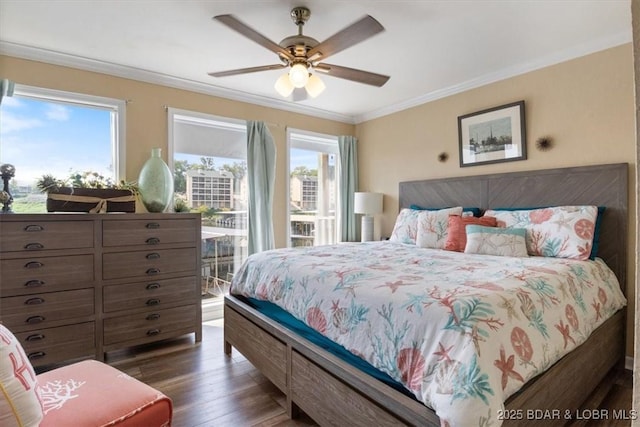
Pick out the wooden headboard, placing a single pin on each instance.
(600, 185)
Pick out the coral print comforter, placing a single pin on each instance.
(463, 332)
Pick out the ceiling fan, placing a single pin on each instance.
(302, 54)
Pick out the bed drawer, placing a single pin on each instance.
(158, 294)
(28, 312)
(322, 395)
(52, 345)
(264, 351)
(45, 235)
(148, 232)
(149, 263)
(46, 274)
(150, 326)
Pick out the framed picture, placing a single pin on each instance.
(493, 135)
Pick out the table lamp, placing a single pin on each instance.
(367, 204)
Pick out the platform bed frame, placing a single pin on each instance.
(333, 392)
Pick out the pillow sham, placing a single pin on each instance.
(433, 226)
(406, 226)
(465, 211)
(496, 241)
(456, 233)
(19, 400)
(596, 231)
(560, 231)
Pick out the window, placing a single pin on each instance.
(49, 132)
(313, 190)
(208, 156)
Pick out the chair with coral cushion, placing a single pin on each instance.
(84, 394)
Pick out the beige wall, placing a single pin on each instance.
(585, 105)
(635, 14)
(146, 121)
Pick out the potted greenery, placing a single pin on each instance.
(88, 192)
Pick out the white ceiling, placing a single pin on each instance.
(429, 48)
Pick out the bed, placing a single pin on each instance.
(333, 392)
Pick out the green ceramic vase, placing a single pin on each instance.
(155, 183)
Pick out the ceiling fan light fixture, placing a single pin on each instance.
(315, 86)
(299, 75)
(283, 85)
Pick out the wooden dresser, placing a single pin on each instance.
(79, 285)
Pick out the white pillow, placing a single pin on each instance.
(433, 226)
(561, 231)
(405, 228)
(19, 401)
(496, 241)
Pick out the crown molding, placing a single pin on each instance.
(103, 67)
(88, 64)
(505, 73)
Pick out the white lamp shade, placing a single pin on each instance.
(315, 86)
(299, 75)
(284, 86)
(368, 203)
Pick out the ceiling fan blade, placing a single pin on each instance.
(242, 28)
(247, 70)
(359, 76)
(353, 34)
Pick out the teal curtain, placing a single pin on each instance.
(347, 146)
(6, 88)
(261, 173)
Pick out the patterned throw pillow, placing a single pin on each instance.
(19, 402)
(457, 235)
(561, 231)
(496, 241)
(406, 226)
(433, 226)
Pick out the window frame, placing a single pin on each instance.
(117, 107)
(313, 141)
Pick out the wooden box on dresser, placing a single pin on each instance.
(78, 285)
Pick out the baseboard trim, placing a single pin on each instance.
(628, 363)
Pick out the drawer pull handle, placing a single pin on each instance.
(152, 332)
(34, 301)
(34, 283)
(153, 301)
(36, 355)
(35, 319)
(153, 225)
(34, 228)
(152, 241)
(151, 286)
(34, 264)
(34, 246)
(153, 316)
(152, 271)
(153, 255)
(35, 337)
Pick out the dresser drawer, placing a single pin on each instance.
(29, 312)
(45, 235)
(148, 232)
(51, 345)
(150, 326)
(157, 294)
(148, 263)
(45, 274)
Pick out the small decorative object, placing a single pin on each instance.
(544, 143)
(155, 183)
(7, 172)
(443, 157)
(88, 192)
(493, 135)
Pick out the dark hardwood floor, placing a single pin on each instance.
(210, 389)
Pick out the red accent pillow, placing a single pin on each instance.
(456, 233)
